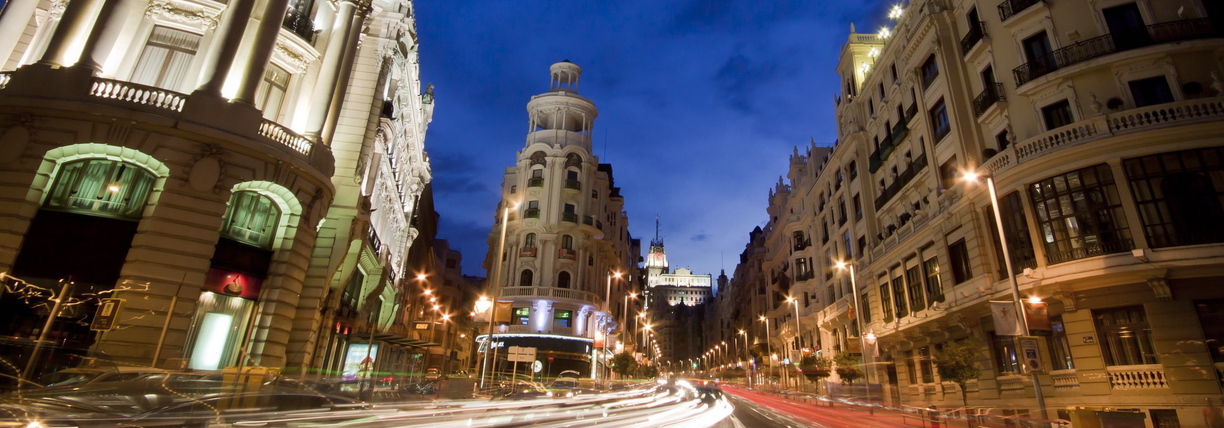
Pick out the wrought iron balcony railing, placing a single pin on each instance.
(1167, 32)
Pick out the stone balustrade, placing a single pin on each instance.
(1011, 383)
(1065, 380)
(131, 93)
(284, 136)
(1137, 377)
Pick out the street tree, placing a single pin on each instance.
(958, 362)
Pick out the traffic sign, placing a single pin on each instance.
(521, 354)
(537, 366)
(107, 315)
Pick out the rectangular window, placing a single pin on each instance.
(948, 172)
(846, 242)
(533, 210)
(1057, 115)
(1004, 348)
(352, 291)
(271, 92)
(886, 301)
(962, 269)
(924, 364)
(1125, 336)
(915, 378)
(865, 308)
(930, 70)
(913, 281)
(1150, 91)
(901, 307)
(1177, 196)
(166, 59)
(858, 208)
(841, 211)
(1211, 319)
(940, 127)
(1080, 215)
(862, 245)
(1040, 59)
(563, 319)
(1060, 348)
(853, 168)
(1019, 243)
(521, 316)
(934, 287)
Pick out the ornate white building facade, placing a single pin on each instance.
(567, 263)
(242, 173)
(1100, 124)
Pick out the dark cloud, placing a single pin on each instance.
(733, 15)
(727, 86)
(739, 78)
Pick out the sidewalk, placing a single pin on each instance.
(831, 413)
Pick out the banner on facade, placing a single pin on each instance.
(501, 312)
(1038, 316)
(871, 346)
(1006, 321)
(232, 283)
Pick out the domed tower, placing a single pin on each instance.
(561, 117)
(566, 265)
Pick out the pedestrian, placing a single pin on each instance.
(1212, 416)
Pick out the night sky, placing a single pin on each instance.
(700, 102)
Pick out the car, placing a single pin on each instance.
(709, 394)
(15, 353)
(165, 399)
(82, 376)
(432, 373)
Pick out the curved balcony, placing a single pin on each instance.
(552, 293)
(1142, 119)
(1166, 32)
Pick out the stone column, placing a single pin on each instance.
(265, 40)
(220, 56)
(329, 69)
(73, 25)
(340, 88)
(105, 31)
(13, 22)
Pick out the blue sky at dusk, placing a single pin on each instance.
(700, 103)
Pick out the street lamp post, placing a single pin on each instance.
(768, 346)
(858, 323)
(608, 329)
(973, 177)
(495, 286)
(798, 330)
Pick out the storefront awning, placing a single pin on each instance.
(394, 340)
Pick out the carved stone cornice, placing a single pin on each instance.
(201, 13)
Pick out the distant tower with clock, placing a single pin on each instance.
(567, 266)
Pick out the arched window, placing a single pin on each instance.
(252, 218)
(567, 242)
(529, 241)
(525, 278)
(101, 187)
(563, 280)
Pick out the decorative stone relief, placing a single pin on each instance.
(1160, 286)
(296, 63)
(180, 12)
(14, 141)
(206, 168)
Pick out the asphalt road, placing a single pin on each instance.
(750, 415)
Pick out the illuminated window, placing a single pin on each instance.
(271, 92)
(1080, 215)
(521, 316)
(563, 319)
(166, 58)
(252, 219)
(101, 187)
(1126, 337)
